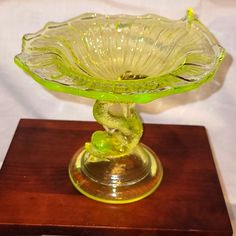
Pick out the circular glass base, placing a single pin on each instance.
(116, 180)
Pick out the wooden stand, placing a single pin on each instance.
(37, 197)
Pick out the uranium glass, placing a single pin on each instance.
(120, 60)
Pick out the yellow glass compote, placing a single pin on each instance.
(120, 60)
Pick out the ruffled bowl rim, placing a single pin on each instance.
(137, 95)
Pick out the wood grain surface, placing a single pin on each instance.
(37, 197)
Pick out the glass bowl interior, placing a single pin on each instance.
(121, 58)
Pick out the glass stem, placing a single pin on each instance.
(123, 130)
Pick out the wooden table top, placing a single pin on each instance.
(37, 197)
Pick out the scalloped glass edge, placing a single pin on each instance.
(129, 97)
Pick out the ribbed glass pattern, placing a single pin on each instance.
(121, 58)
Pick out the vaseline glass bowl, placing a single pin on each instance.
(120, 60)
